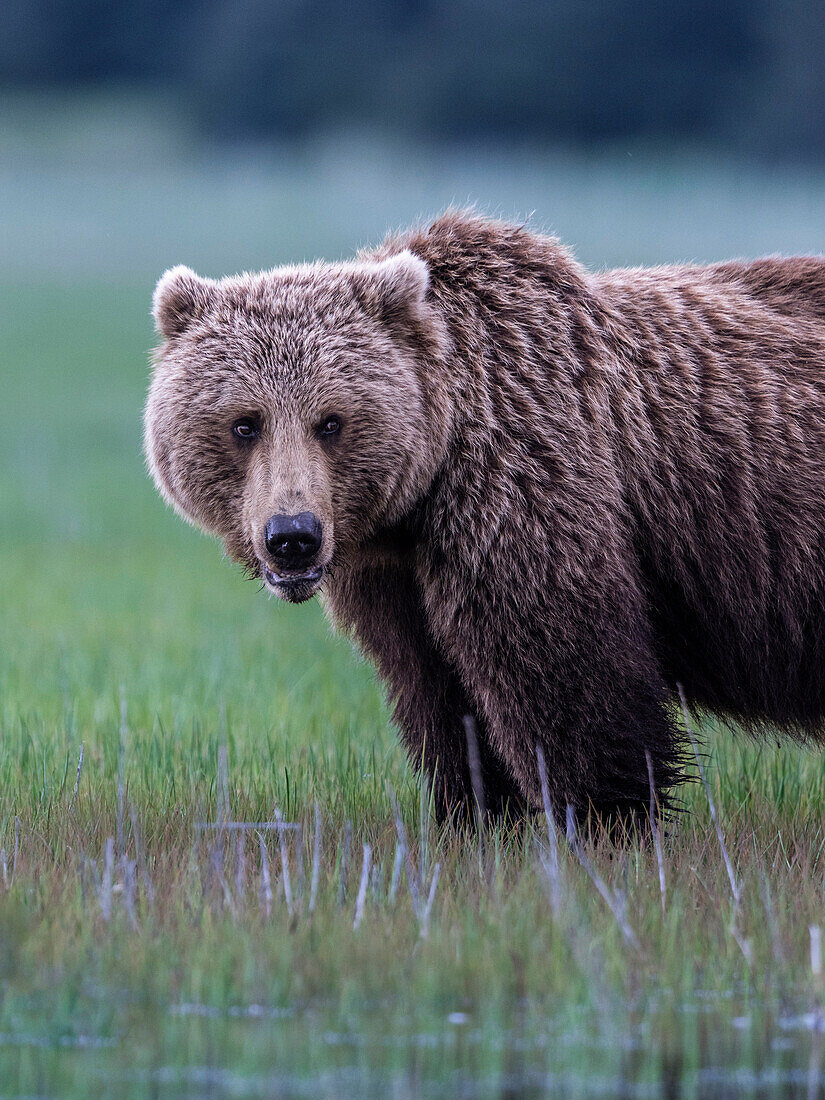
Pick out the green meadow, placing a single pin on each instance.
(148, 692)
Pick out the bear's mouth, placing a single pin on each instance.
(294, 587)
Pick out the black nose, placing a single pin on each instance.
(293, 541)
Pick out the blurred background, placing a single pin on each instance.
(229, 135)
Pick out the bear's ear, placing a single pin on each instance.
(180, 298)
(394, 289)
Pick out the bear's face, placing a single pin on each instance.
(291, 414)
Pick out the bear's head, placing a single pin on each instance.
(296, 413)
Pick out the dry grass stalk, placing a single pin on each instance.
(226, 891)
(743, 943)
(240, 864)
(815, 933)
(223, 786)
(76, 790)
(140, 853)
(657, 837)
(398, 863)
(266, 882)
(287, 882)
(299, 866)
(425, 917)
(344, 865)
(425, 796)
(613, 900)
(412, 874)
(362, 886)
(735, 888)
(316, 860)
(16, 849)
(120, 831)
(767, 904)
(551, 862)
(216, 848)
(106, 884)
(129, 890)
(90, 871)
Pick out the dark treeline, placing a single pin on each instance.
(749, 73)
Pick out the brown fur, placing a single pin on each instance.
(556, 494)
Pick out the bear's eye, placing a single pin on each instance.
(330, 425)
(246, 429)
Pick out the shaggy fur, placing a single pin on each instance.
(555, 494)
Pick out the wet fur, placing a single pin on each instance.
(621, 487)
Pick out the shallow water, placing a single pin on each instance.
(710, 1046)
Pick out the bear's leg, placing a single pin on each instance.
(576, 673)
(617, 791)
(596, 756)
(380, 605)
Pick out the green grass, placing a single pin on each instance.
(198, 985)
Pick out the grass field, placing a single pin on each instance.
(141, 955)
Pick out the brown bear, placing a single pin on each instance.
(533, 494)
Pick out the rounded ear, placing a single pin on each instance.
(180, 298)
(394, 288)
(403, 278)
